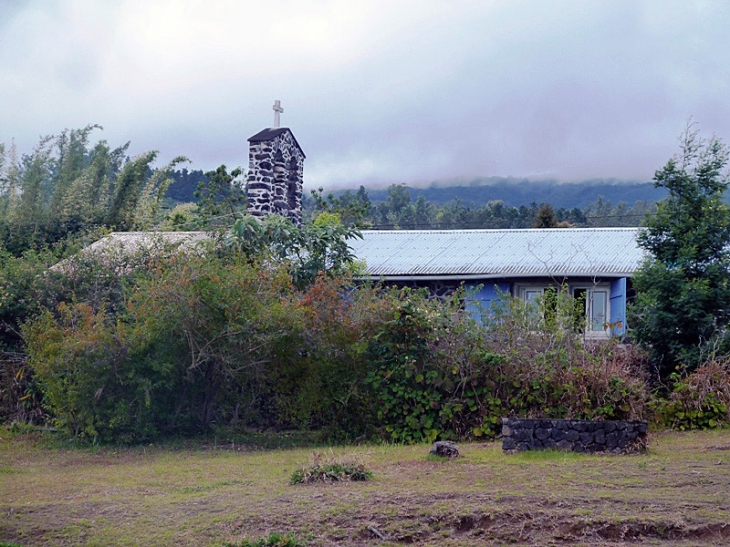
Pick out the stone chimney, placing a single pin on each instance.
(275, 172)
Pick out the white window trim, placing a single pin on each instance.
(605, 332)
(522, 289)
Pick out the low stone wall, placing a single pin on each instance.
(573, 435)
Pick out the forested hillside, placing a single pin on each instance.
(516, 192)
(399, 210)
(480, 203)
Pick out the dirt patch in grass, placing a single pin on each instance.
(677, 494)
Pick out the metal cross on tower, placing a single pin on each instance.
(277, 111)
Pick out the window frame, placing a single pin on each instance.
(522, 289)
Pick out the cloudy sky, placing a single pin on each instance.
(376, 91)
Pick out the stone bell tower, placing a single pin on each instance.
(275, 172)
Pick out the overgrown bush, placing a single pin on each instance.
(319, 381)
(208, 339)
(20, 395)
(330, 468)
(102, 378)
(553, 371)
(699, 400)
(439, 374)
(272, 540)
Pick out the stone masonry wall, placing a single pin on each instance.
(275, 177)
(573, 435)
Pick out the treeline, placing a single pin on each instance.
(516, 192)
(67, 184)
(401, 207)
(399, 212)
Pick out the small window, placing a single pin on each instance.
(592, 305)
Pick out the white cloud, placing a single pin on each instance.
(376, 90)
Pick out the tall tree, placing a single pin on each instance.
(545, 217)
(682, 308)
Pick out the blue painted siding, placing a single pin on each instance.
(480, 299)
(618, 306)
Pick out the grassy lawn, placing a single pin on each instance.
(676, 494)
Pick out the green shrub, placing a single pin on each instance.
(699, 400)
(438, 374)
(331, 469)
(273, 540)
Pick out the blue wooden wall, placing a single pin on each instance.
(618, 307)
(479, 299)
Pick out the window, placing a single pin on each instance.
(593, 306)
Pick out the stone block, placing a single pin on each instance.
(586, 438)
(565, 445)
(522, 434)
(612, 440)
(508, 443)
(572, 435)
(542, 434)
(445, 449)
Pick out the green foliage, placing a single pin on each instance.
(26, 287)
(427, 361)
(20, 395)
(682, 306)
(320, 381)
(485, 207)
(439, 374)
(330, 469)
(272, 540)
(220, 197)
(229, 318)
(66, 185)
(545, 217)
(102, 380)
(352, 208)
(700, 400)
(308, 251)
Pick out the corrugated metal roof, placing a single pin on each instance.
(607, 252)
(133, 241)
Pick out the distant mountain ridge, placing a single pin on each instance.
(517, 192)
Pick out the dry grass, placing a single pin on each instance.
(677, 494)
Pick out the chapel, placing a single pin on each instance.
(275, 172)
